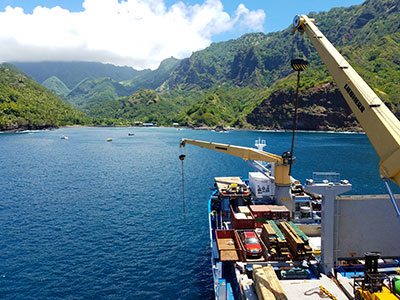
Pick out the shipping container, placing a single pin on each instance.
(261, 185)
(261, 211)
(279, 212)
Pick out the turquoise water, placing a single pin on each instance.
(88, 219)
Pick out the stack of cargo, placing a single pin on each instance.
(279, 212)
(243, 219)
(270, 239)
(263, 213)
(267, 283)
(298, 245)
(275, 241)
(244, 210)
(298, 231)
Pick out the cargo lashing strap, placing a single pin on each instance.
(321, 291)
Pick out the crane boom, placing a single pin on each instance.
(379, 123)
(282, 164)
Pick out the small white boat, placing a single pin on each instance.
(109, 140)
(63, 137)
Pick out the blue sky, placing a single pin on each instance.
(139, 33)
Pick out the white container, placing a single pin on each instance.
(240, 216)
(260, 185)
(244, 209)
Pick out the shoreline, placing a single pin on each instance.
(224, 130)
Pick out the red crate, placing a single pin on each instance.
(241, 223)
(261, 211)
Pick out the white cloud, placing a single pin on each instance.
(138, 33)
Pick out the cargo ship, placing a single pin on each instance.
(306, 238)
(273, 237)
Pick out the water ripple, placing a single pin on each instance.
(86, 219)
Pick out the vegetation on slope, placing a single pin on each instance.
(232, 83)
(144, 106)
(56, 86)
(71, 73)
(24, 104)
(376, 59)
(92, 91)
(222, 107)
(154, 79)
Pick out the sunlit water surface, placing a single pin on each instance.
(88, 219)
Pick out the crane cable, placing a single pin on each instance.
(299, 65)
(182, 158)
(296, 106)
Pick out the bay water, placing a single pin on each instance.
(83, 218)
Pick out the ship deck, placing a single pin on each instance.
(310, 289)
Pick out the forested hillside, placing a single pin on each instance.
(367, 35)
(248, 82)
(55, 85)
(83, 84)
(24, 104)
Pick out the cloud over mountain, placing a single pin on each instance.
(137, 33)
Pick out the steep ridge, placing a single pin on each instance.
(367, 35)
(55, 85)
(233, 83)
(92, 91)
(71, 73)
(24, 104)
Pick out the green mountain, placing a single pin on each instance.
(367, 35)
(257, 60)
(369, 38)
(154, 79)
(24, 104)
(71, 73)
(96, 90)
(254, 61)
(56, 86)
(145, 106)
(91, 91)
(222, 107)
(248, 82)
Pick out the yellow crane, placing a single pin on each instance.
(282, 163)
(379, 123)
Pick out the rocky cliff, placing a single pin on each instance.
(320, 108)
